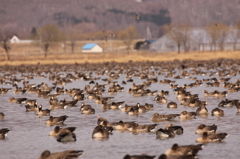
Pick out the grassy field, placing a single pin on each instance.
(30, 54)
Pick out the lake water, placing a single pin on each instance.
(28, 137)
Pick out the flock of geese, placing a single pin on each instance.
(103, 95)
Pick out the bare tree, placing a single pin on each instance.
(223, 33)
(128, 36)
(73, 40)
(72, 37)
(185, 30)
(235, 35)
(49, 34)
(199, 39)
(218, 34)
(5, 36)
(213, 34)
(180, 34)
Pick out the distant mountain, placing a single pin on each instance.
(102, 15)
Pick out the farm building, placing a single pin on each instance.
(92, 48)
(143, 45)
(199, 41)
(16, 39)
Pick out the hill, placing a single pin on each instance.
(94, 15)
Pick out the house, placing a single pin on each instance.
(92, 48)
(15, 39)
(143, 45)
(199, 41)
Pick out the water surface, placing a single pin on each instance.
(28, 137)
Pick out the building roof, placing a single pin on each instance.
(89, 46)
(150, 40)
(14, 39)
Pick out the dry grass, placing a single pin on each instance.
(29, 54)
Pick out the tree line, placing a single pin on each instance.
(50, 34)
(217, 33)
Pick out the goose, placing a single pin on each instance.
(66, 137)
(206, 128)
(164, 133)
(184, 150)
(56, 120)
(176, 129)
(228, 103)
(172, 105)
(100, 132)
(141, 109)
(143, 156)
(31, 108)
(58, 105)
(217, 112)
(160, 99)
(118, 125)
(187, 115)
(133, 111)
(87, 109)
(67, 154)
(238, 107)
(41, 112)
(17, 100)
(157, 117)
(3, 133)
(70, 103)
(2, 115)
(202, 110)
(149, 106)
(136, 128)
(57, 130)
(136, 16)
(218, 94)
(163, 156)
(30, 102)
(214, 137)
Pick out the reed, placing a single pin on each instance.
(26, 54)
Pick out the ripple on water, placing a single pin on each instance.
(29, 134)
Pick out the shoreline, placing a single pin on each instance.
(17, 60)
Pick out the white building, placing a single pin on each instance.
(199, 41)
(15, 39)
(92, 48)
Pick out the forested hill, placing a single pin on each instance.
(94, 15)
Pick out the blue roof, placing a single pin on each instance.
(150, 40)
(89, 46)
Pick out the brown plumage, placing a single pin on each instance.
(184, 150)
(56, 120)
(217, 112)
(2, 115)
(66, 137)
(40, 112)
(157, 117)
(57, 130)
(138, 157)
(3, 133)
(187, 115)
(206, 128)
(87, 109)
(215, 137)
(68, 154)
(100, 132)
